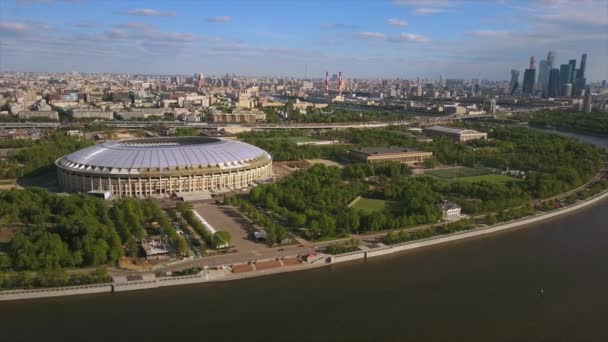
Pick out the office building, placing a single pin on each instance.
(529, 79)
(554, 84)
(543, 77)
(514, 85)
(455, 134)
(89, 113)
(579, 84)
(238, 116)
(564, 76)
(379, 155)
(587, 100)
(572, 76)
(39, 114)
(567, 90)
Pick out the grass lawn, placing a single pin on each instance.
(492, 178)
(370, 204)
(458, 172)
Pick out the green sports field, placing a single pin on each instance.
(370, 204)
(492, 178)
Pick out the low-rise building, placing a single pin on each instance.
(45, 114)
(455, 134)
(141, 113)
(238, 116)
(450, 211)
(377, 155)
(89, 113)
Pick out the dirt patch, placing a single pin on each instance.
(133, 264)
(291, 261)
(286, 168)
(242, 268)
(7, 233)
(264, 265)
(325, 162)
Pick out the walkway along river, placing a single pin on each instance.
(546, 282)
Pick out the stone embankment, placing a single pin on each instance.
(150, 281)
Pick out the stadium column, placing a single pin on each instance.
(129, 191)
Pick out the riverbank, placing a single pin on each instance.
(151, 281)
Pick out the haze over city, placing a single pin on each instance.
(342, 170)
(367, 39)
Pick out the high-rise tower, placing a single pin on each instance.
(554, 83)
(529, 79)
(580, 76)
(514, 85)
(564, 77)
(543, 76)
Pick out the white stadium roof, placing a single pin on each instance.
(163, 153)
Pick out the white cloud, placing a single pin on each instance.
(428, 10)
(86, 24)
(12, 28)
(332, 26)
(409, 38)
(147, 12)
(396, 22)
(370, 35)
(490, 33)
(426, 3)
(219, 19)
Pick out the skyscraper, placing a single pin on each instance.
(551, 60)
(543, 76)
(544, 69)
(587, 100)
(564, 76)
(529, 79)
(572, 76)
(580, 76)
(554, 83)
(514, 85)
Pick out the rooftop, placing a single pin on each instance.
(451, 130)
(386, 150)
(174, 152)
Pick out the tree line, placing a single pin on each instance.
(56, 231)
(594, 123)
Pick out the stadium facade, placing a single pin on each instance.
(163, 166)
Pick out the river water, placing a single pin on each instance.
(545, 282)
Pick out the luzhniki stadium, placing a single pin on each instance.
(164, 166)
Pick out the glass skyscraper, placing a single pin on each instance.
(564, 76)
(529, 79)
(514, 85)
(554, 83)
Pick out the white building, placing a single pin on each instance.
(450, 211)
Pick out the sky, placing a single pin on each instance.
(362, 38)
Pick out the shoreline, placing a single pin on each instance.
(150, 281)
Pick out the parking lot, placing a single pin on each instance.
(227, 219)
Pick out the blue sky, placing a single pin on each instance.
(361, 38)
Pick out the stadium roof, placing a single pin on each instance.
(165, 153)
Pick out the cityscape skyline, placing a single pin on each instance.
(397, 39)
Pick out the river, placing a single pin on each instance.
(545, 282)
